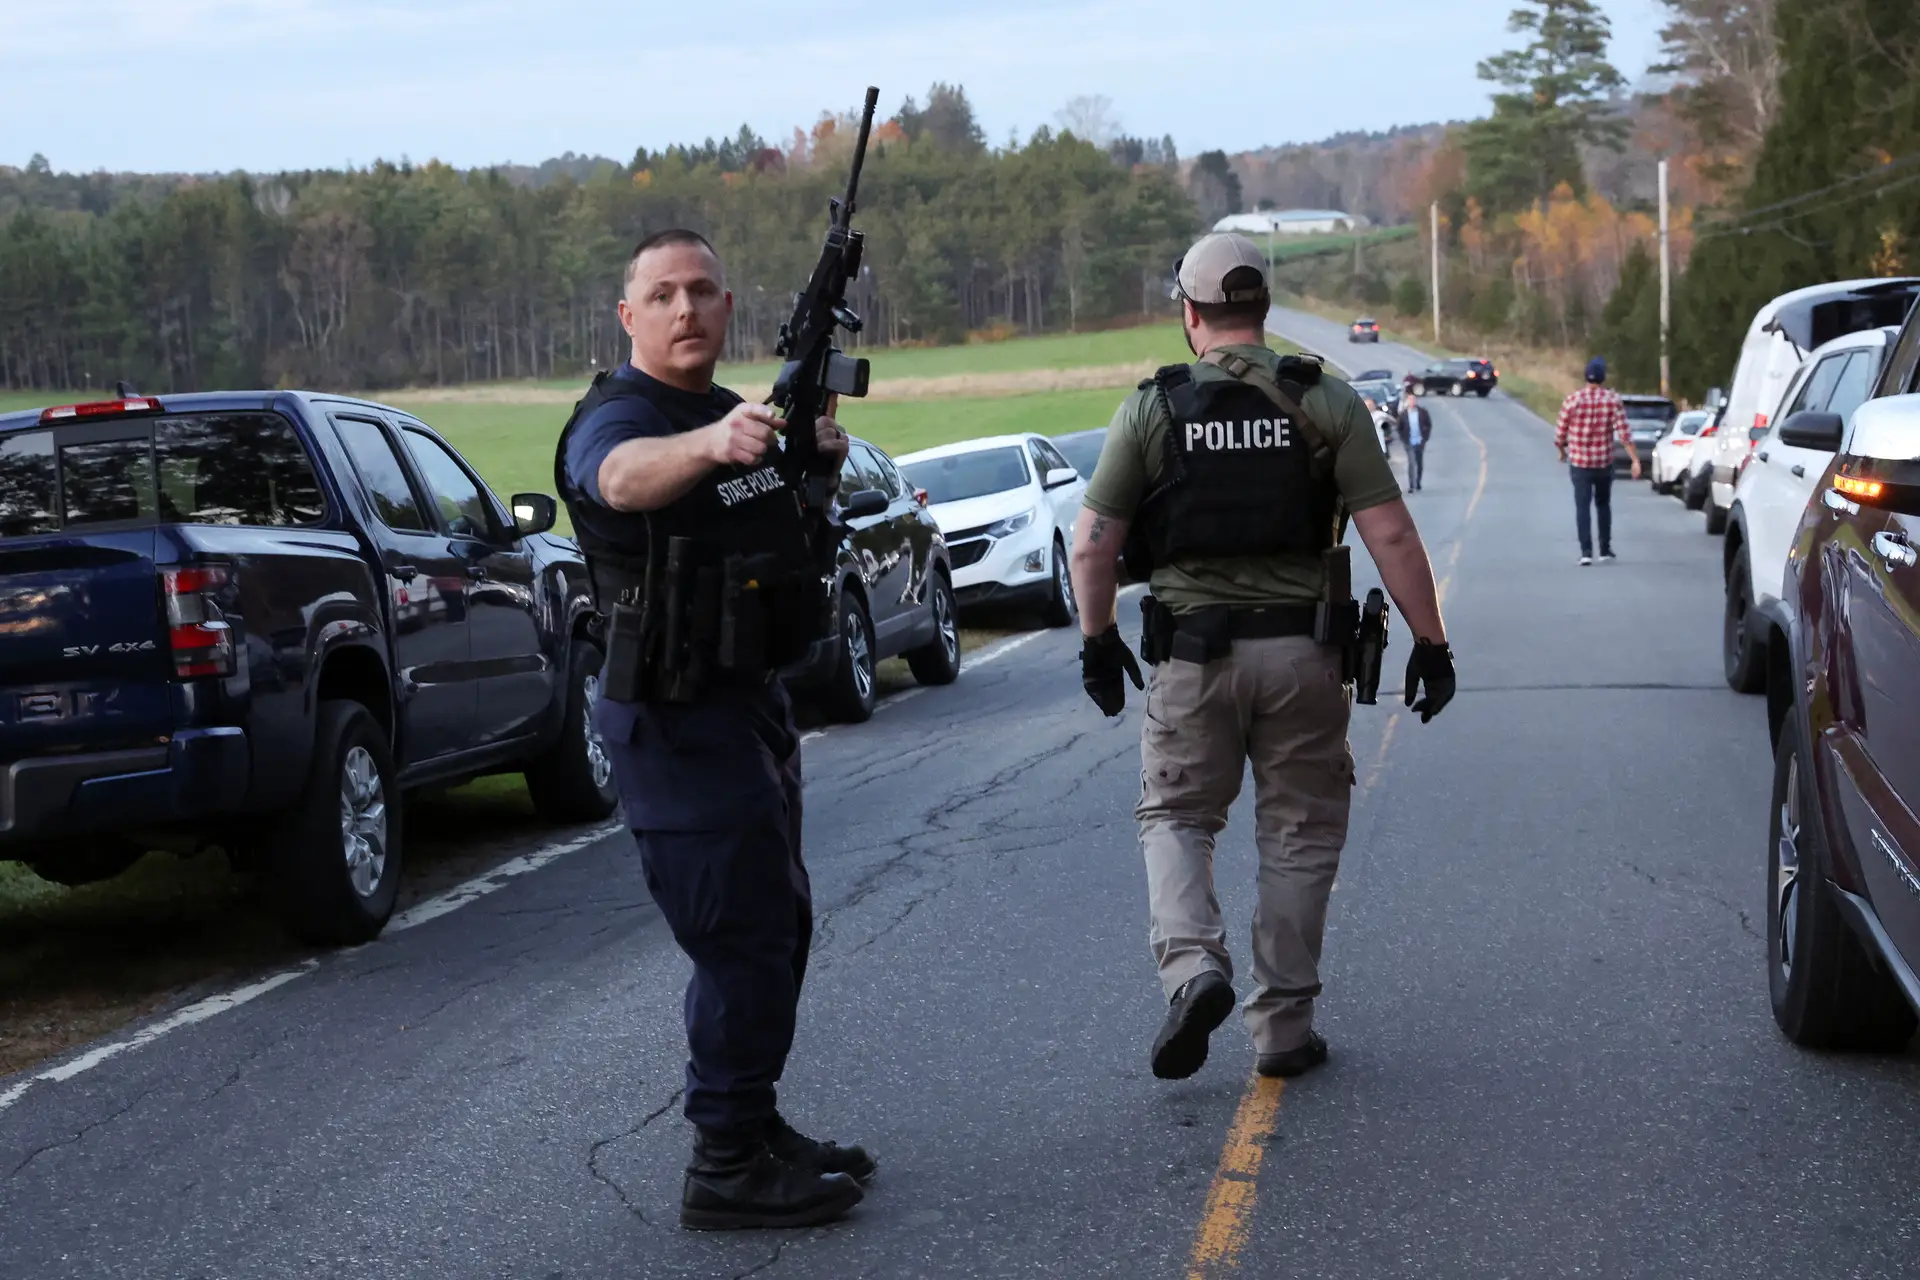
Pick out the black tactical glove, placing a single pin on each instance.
(1432, 663)
(1102, 659)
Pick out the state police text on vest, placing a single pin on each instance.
(751, 485)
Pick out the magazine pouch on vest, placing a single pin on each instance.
(723, 586)
(1245, 472)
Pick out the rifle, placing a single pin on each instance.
(814, 368)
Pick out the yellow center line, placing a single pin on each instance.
(1227, 1218)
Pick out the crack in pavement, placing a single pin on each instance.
(82, 1132)
(778, 1248)
(593, 1156)
(1693, 891)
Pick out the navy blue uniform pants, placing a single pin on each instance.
(712, 793)
(1593, 488)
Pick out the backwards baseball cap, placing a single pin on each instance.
(1201, 276)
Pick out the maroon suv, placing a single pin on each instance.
(1843, 933)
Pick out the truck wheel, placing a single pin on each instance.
(1827, 991)
(1456, 389)
(938, 662)
(1419, 388)
(335, 855)
(1691, 495)
(573, 780)
(1743, 659)
(1061, 608)
(1716, 516)
(851, 694)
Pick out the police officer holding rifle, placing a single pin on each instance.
(707, 524)
(1228, 484)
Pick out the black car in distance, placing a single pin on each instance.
(1364, 329)
(1082, 449)
(1456, 377)
(1648, 418)
(891, 592)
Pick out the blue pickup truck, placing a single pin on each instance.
(253, 620)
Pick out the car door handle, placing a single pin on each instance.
(1895, 550)
(1799, 470)
(478, 572)
(1836, 501)
(404, 572)
(1763, 455)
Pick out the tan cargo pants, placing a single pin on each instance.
(1279, 703)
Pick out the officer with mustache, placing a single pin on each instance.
(697, 550)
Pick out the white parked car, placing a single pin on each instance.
(1774, 485)
(1674, 450)
(1781, 335)
(1006, 505)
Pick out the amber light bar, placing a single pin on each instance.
(1854, 487)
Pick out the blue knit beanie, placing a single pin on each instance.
(1597, 369)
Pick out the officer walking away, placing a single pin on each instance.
(1591, 419)
(1415, 425)
(1229, 482)
(697, 548)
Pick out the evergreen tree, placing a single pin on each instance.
(1557, 87)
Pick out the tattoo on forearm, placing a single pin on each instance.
(1096, 530)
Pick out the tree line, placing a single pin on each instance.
(403, 274)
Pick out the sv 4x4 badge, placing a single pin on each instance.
(95, 650)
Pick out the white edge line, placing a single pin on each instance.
(199, 1011)
(433, 908)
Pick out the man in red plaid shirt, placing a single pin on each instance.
(1590, 420)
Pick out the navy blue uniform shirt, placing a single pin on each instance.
(665, 411)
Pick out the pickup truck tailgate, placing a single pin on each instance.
(84, 654)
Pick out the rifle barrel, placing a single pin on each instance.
(860, 150)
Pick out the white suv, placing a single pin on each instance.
(1773, 485)
(1006, 505)
(1777, 341)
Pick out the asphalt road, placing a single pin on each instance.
(1545, 992)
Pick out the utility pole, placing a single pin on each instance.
(1666, 286)
(1433, 217)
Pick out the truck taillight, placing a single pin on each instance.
(201, 637)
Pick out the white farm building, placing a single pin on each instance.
(1290, 222)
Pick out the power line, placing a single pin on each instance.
(1746, 215)
(1781, 223)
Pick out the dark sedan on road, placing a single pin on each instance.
(1082, 449)
(1843, 929)
(891, 592)
(1456, 377)
(1365, 329)
(1648, 418)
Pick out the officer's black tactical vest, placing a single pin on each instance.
(1244, 473)
(733, 511)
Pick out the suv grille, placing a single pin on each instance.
(968, 552)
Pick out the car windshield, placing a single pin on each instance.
(1690, 422)
(1457, 366)
(960, 476)
(1082, 450)
(1644, 411)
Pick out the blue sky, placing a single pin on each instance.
(214, 85)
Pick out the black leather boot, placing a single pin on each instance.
(735, 1181)
(797, 1148)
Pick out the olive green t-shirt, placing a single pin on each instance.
(1134, 455)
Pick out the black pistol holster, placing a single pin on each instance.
(701, 620)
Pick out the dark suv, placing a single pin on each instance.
(1843, 930)
(1456, 377)
(1648, 418)
(891, 591)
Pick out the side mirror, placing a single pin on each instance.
(1886, 429)
(533, 513)
(864, 503)
(1810, 430)
(1059, 476)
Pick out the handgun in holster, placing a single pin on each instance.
(1369, 649)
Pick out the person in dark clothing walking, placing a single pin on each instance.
(1415, 429)
(1590, 420)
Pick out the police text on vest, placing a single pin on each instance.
(1260, 433)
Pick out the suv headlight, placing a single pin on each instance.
(1011, 525)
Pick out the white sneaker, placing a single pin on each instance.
(1606, 557)
(1585, 561)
